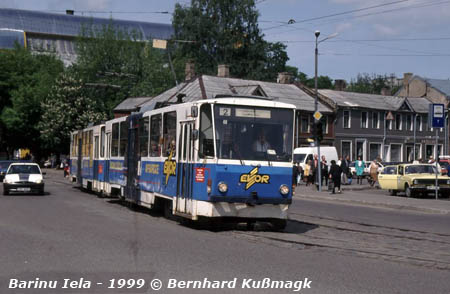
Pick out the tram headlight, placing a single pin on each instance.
(284, 189)
(416, 182)
(223, 187)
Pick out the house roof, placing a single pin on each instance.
(442, 86)
(207, 87)
(131, 104)
(420, 105)
(362, 100)
(70, 25)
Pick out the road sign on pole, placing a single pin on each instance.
(436, 115)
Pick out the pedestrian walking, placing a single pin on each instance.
(307, 172)
(299, 173)
(324, 170)
(373, 170)
(345, 169)
(335, 176)
(359, 168)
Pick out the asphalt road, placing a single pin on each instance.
(69, 234)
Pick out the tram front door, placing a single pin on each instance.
(186, 155)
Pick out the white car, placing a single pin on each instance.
(23, 177)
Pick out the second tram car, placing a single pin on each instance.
(222, 157)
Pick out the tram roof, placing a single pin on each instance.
(208, 87)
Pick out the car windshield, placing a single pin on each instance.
(24, 169)
(420, 169)
(299, 157)
(253, 133)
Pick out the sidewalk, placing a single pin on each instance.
(360, 195)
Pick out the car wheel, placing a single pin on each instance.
(409, 193)
(5, 191)
(41, 192)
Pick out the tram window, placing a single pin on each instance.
(115, 140)
(170, 132)
(143, 136)
(97, 147)
(123, 138)
(155, 135)
(206, 147)
(83, 144)
(102, 142)
(91, 143)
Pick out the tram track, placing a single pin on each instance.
(362, 239)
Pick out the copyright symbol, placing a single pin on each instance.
(156, 284)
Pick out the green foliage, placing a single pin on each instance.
(323, 82)
(227, 32)
(65, 109)
(116, 64)
(26, 81)
(371, 84)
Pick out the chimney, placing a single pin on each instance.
(386, 91)
(406, 77)
(284, 78)
(340, 85)
(69, 12)
(223, 71)
(189, 71)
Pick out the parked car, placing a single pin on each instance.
(4, 164)
(413, 179)
(23, 177)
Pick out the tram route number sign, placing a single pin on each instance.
(436, 115)
(200, 175)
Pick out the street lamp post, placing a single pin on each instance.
(316, 108)
(316, 103)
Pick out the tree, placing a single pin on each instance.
(371, 84)
(28, 79)
(66, 109)
(115, 64)
(217, 32)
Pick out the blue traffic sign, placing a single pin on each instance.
(436, 115)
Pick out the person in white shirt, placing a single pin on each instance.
(261, 145)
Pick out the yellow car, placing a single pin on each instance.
(413, 179)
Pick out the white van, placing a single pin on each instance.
(303, 154)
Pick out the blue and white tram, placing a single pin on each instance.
(224, 157)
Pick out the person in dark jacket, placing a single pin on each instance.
(345, 169)
(335, 175)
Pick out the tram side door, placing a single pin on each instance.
(132, 158)
(186, 169)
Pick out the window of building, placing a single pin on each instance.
(123, 138)
(325, 124)
(206, 147)
(396, 152)
(346, 149)
(375, 120)
(409, 125)
(115, 140)
(144, 130)
(418, 123)
(364, 120)
(155, 135)
(398, 122)
(347, 119)
(374, 150)
(388, 123)
(170, 132)
(304, 124)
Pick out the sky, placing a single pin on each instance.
(381, 37)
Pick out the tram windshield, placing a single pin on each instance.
(253, 133)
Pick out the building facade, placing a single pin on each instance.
(393, 129)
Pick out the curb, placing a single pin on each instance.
(374, 204)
